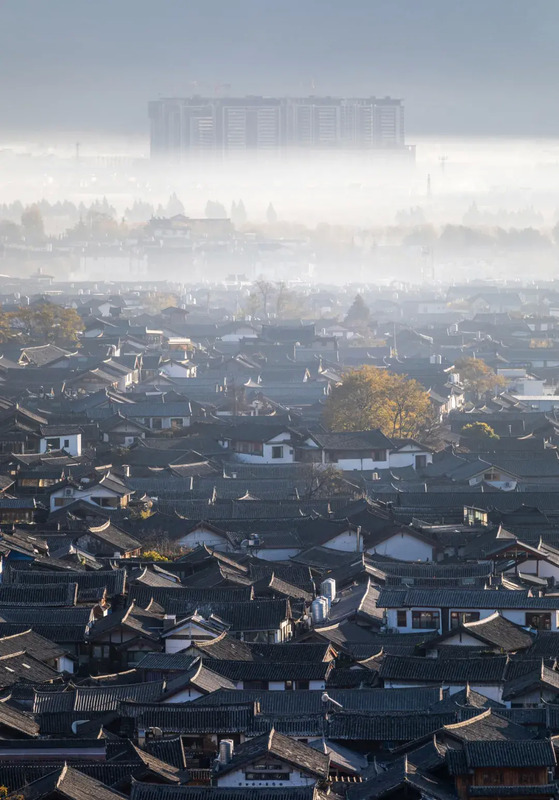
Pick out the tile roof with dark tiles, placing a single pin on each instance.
(486, 726)
(114, 580)
(491, 670)
(68, 782)
(310, 702)
(464, 598)
(301, 756)
(146, 791)
(271, 671)
(47, 594)
(188, 718)
(488, 754)
(88, 699)
(32, 643)
(200, 677)
(178, 595)
(494, 630)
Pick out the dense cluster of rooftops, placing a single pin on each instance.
(205, 595)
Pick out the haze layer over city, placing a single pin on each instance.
(371, 137)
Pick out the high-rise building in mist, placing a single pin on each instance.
(180, 126)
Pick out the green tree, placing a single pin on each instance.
(32, 225)
(215, 210)
(139, 212)
(238, 213)
(479, 432)
(358, 313)
(477, 377)
(102, 227)
(174, 206)
(370, 397)
(10, 231)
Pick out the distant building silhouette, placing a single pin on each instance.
(235, 124)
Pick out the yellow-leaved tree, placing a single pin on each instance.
(370, 397)
(478, 378)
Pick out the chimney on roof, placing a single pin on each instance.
(126, 470)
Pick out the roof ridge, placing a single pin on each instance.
(464, 723)
(13, 635)
(62, 775)
(13, 655)
(473, 624)
(129, 610)
(99, 528)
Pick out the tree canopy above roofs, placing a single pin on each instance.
(370, 397)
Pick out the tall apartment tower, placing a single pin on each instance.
(180, 126)
(388, 122)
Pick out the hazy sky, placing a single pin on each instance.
(463, 66)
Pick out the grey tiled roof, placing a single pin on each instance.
(104, 698)
(269, 671)
(299, 755)
(402, 727)
(113, 536)
(18, 721)
(38, 615)
(113, 580)
(47, 594)
(494, 630)
(539, 678)
(169, 750)
(31, 642)
(463, 598)
(69, 782)
(117, 773)
(528, 753)
(185, 596)
(64, 634)
(228, 647)
(310, 702)
(191, 718)
(253, 615)
(465, 670)
(199, 676)
(148, 791)
(20, 666)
